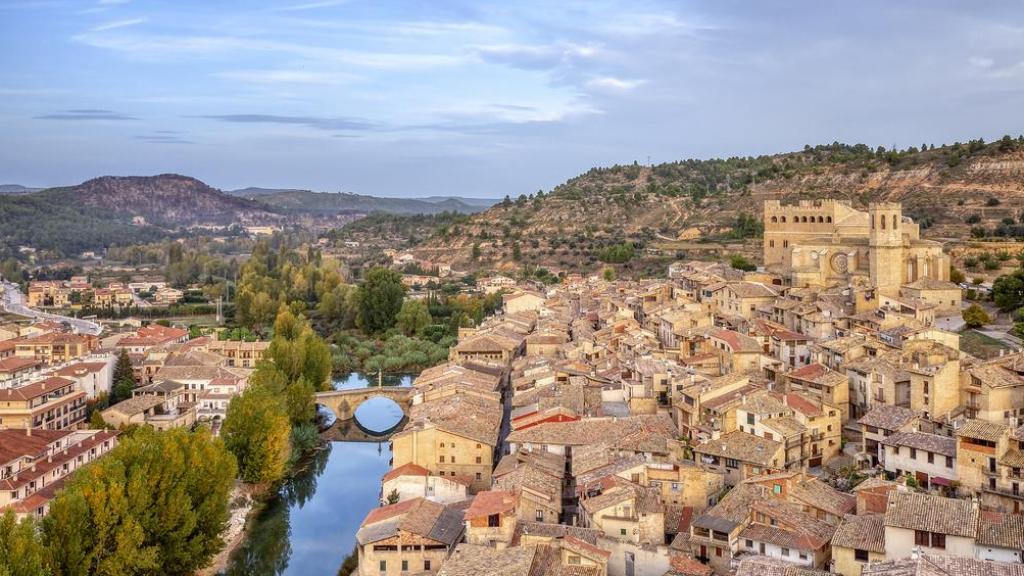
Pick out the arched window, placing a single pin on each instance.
(883, 221)
(872, 221)
(775, 219)
(828, 219)
(820, 219)
(803, 219)
(783, 219)
(894, 226)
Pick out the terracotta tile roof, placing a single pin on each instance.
(15, 364)
(680, 565)
(443, 524)
(37, 389)
(584, 547)
(915, 511)
(492, 502)
(818, 494)
(866, 532)
(928, 565)
(819, 374)
(1001, 530)
(936, 443)
(982, 430)
(741, 446)
(888, 417)
(733, 509)
(409, 469)
(764, 566)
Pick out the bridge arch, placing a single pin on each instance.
(344, 403)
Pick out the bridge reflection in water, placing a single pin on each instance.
(352, 430)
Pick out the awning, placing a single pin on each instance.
(940, 481)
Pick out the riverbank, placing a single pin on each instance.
(244, 508)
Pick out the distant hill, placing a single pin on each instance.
(17, 189)
(101, 212)
(954, 191)
(166, 200)
(323, 203)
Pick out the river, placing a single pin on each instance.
(310, 527)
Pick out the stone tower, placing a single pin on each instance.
(886, 247)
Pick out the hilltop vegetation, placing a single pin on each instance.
(586, 222)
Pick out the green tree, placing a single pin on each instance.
(413, 318)
(156, 504)
(975, 316)
(21, 551)
(956, 276)
(257, 431)
(123, 378)
(380, 299)
(96, 421)
(740, 262)
(608, 274)
(1008, 291)
(394, 496)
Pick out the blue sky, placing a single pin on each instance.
(483, 98)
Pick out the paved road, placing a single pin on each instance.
(13, 301)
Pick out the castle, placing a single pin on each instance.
(828, 242)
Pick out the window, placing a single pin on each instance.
(785, 551)
(426, 565)
(803, 556)
(539, 515)
(860, 555)
(913, 454)
(931, 458)
(574, 560)
(493, 521)
(383, 565)
(442, 459)
(949, 461)
(478, 460)
(938, 540)
(750, 543)
(478, 476)
(405, 565)
(718, 552)
(777, 489)
(622, 531)
(453, 458)
(750, 418)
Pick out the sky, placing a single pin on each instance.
(481, 98)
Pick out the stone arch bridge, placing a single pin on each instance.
(343, 403)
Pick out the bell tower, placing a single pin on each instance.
(886, 247)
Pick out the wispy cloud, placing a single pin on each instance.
(286, 77)
(85, 114)
(535, 56)
(175, 47)
(118, 24)
(313, 5)
(319, 122)
(163, 137)
(615, 84)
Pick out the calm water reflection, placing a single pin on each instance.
(310, 527)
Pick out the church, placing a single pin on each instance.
(829, 243)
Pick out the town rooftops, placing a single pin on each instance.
(765, 566)
(819, 374)
(736, 341)
(916, 511)
(981, 430)
(36, 389)
(942, 565)
(437, 522)
(741, 446)
(14, 364)
(818, 494)
(936, 443)
(1001, 530)
(492, 502)
(865, 532)
(409, 469)
(888, 417)
(732, 510)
